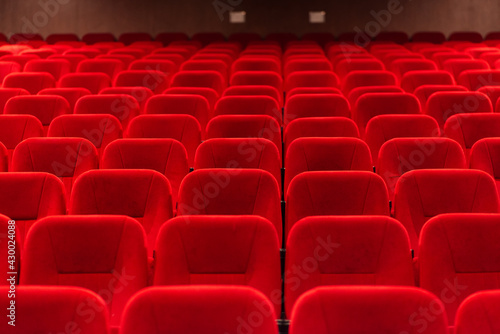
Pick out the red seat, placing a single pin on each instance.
(53, 309)
(66, 158)
(248, 105)
(239, 192)
(7, 93)
(8, 67)
(168, 37)
(142, 194)
(43, 107)
(221, 250)
(443, 105)
(16, 128)
(89, 252)
(20, 59)
(100, 130)
(73, 60)
(346, 310)
(94, 82)
(131, 37)
(166, 156)
(140, 94)
(210, 94)
(441, 57)
(475, 79)
(184, 128)
(385, 127)
(316, 194)
(400, 155)
(55, 67)
(478, 313)
(31, 196)
(423, 194)
(72, 95)
(355, 250)
(457, 66)
(255, 153)
(257, 78)
(402, 66)
(216, 308)
(110, 67)
(345, 66)
(429, 36)
(162, 65)
(157, 81)
(245, 126)
(367, 78)
(313, 90)
(33, 82)
(256, 91)
(412, 80)
(124, 107)
(316, 105)
(256, 63)
(325, 154)
(356, 93)
(469, 36)
(182, 104)
(298, 65)
(54, 38)
(319, 127)
(484, 155)
(374, 104)
(311, 79)
(458, 258)
(209, 79)
(424, 92)
(92, 38)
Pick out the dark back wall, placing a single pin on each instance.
(263, 16)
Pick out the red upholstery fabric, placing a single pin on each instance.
(208, 79)
(424, 92)
(198, 309)
(33, 82)
(7, 93)
(245, 126)
(181, 104)
(257, 78)
(346, 310)
(370, 105)
(231, 192)
(400, 155)
(210, 94)
(479, 313)
(140, 94)
(255, 90)
(255, 153)
(8, 67)
(357, 250)
(443, 105)
(458, 257)
(356, 93)
(317, 194)
(323, 154)
(298, 65)
(45, 108)
(94, 82)
(105, 254)
(319, 127)
(157, 81)
(414, 79)
(457, 66)
(72, 95)
(485, 156)
(311, 79)
(16, 128)
(220, 250)
(423, 194)
(54, 310)
(316, 105)
(248, 105)
(357, 79)
(467, 129)
(141, 194)
(402, 66)
(166, 156)
(100, 130)
(184, 128)
(66, 158)
(30, 196)
(122, 106)
(110, 67)
(55, 67)
(475, 79)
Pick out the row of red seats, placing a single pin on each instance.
(323, 251)
(208, 37)
(232, 309)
